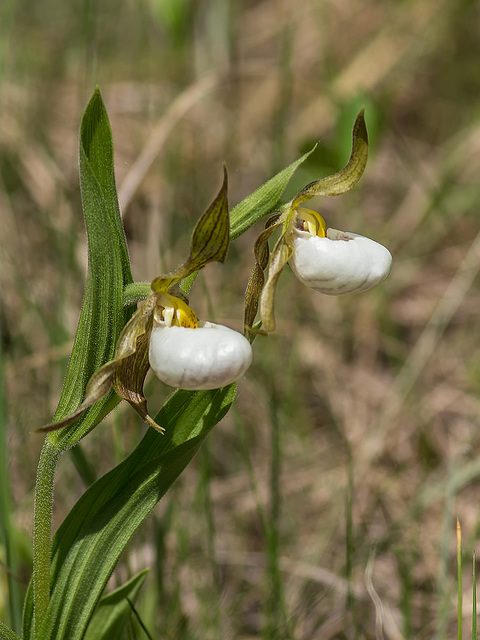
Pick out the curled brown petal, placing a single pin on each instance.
(280, 256)
(341, 182)
(257, 278)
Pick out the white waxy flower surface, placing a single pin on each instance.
(340, 263)
(207, 357)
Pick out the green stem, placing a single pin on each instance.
(459, 582)
(42, 532)
(474, 608)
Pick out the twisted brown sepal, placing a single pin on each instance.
(126, 372)
(209, 243)
(257, 278)
(129, 377)
(344, 180)
(281, 254)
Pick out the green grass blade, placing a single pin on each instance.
(114, 610)
(90, 540)
(459, 582)
(7, 537)
(277, 617)
(262, 200)
(474, 607)
(444, 586)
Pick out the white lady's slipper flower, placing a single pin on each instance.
(336, 262)
(330, 261)
(195, 355)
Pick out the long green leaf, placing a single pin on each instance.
(89, 542)
(80, 572)
(102, 316)
(8, 540)
(262, 200)
(101, 320)
(114, 610)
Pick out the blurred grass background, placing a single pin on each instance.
(324, 506)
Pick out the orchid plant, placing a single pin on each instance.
(126, 328)
(166, 335)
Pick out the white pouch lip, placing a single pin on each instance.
(341, 263)
(207, 357)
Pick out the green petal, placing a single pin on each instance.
(210, 241)
(347, 178)
(211, 236)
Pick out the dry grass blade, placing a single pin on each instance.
(179, 107)
(385, 625)
(457, 290)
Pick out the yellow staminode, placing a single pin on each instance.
(311, 221)
(176, 312)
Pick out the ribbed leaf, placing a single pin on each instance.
(345, 179)
(101, 320)
(102, 316)
(262, 200)
(89, 542)
(114, 610)
(6, 633)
